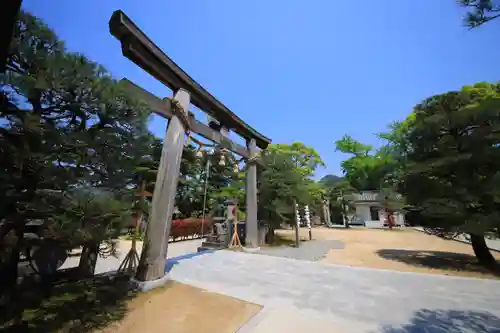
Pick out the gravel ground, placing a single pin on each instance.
(311, 250)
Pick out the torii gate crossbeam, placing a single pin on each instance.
(143, 52)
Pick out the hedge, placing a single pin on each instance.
(182, 229)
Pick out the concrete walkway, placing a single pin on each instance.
(111, 263)
(304, 296)
(313, 250)
(493, 244)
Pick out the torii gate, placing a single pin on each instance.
(137, 47)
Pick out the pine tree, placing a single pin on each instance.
(65, 124)
(452, 163)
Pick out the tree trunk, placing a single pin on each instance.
(88, 259)
(346, 220)
(482, 252)
(390, 220)
(270, 235)
(345, 217)
(5, 228)
(10, 11)
(296, 223)
(8, 269)
(297, 236)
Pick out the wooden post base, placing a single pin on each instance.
(130, 263)
(235, 240)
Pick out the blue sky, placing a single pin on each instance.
(296, 70)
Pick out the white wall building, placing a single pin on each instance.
(368, 211)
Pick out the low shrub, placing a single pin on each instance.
(191, 227)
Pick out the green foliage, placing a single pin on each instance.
(190, 189)
(286, 177)
(305, 158)
(65, 124)
(317, 192)
(453, 159)
(330, 180)
(223, 182)
(341, 203)
(390, 201)
(87, 215)
(481, 11)
(68, 306)
(137, 235)
(286, 173)
(75, 151)
(395, 148)
(348, 145)
(363, 169)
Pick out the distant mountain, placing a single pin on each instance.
(330, 180)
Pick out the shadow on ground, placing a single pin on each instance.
(436, 259)
(171, 262)
(283, 240)
(441, 321)
(78, 306)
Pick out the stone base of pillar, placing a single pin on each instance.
(250, 249)
(145, 286)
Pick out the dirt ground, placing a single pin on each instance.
(178, 308)
(404, 250)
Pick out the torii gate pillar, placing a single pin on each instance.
(252, 231)
(153, 257)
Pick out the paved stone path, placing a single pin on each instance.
(311, 250)
(304, 296)
(111, 263)
(493, 244)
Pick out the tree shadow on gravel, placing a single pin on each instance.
(448, 261)
(70, 306)
(453, 321)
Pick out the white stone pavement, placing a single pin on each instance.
(303, 296)
(111, 263)
(493, 244)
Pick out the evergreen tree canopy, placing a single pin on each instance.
(481, 11)
(364, 170)
(453, 159)
(286, 177)
(65, 124)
